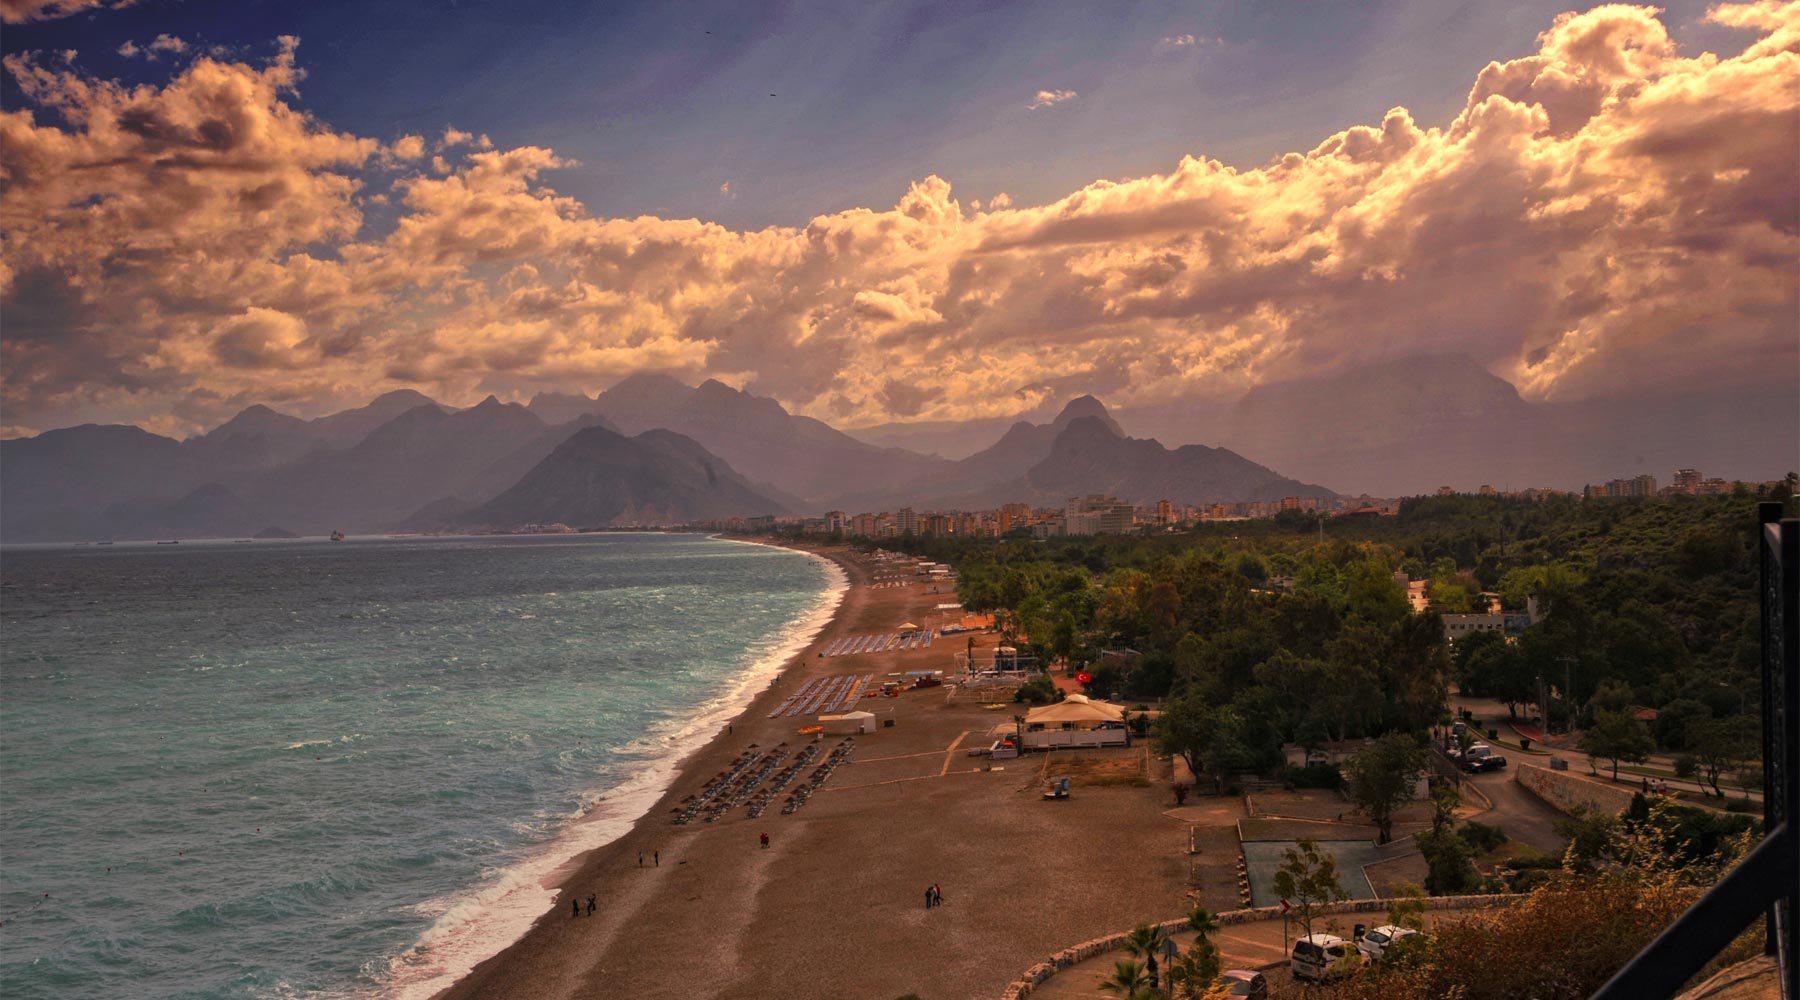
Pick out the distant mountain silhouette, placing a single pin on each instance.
(562, 407)
(422, 455)
(1082, 451)
(801, 455)
(601, 478)
(1090, 454)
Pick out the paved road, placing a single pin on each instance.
(1492, 714)
(1523, 815)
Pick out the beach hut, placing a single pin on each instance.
(849, 722)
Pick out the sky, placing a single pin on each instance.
(884, 212)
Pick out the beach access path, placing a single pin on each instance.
(834, 906)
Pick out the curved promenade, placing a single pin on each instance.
(1032, 981)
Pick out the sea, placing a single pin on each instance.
(348, 769)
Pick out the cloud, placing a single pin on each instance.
(21, 11)
(158, 45)
(1177, 43)
(1604, 216)
(1050, 98)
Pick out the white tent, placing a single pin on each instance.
(1077, 710)
(861, 722)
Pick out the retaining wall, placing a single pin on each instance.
(1035, 976)
(1565, 791)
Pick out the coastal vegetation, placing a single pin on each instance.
(1297, 628)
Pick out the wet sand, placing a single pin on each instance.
(834, 907)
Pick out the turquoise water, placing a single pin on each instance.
(346, 769)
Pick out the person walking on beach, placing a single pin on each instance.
(575, 905)
(937, 895)
(765, 841)
(928, 897)
(590, 906)
(656, 856)
(640, 859)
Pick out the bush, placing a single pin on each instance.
(1686, 766)
(1482, 837)
(1742, 806)
(1037, 691)
(1312, 776)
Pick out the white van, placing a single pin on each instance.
(1376, 942)
(1318, 957)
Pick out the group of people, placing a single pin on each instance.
(575, 905)
(1655, 786)
(934, 896)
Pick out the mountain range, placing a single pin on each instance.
(649, 450)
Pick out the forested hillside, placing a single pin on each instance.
(1284, 628)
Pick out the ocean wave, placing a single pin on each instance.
(474, 925)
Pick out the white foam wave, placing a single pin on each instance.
(474, 926)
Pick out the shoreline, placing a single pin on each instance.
(758, 683)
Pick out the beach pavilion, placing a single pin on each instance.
(1076, 721)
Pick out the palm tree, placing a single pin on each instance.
(1145, 940)
(1128, 980)
(1202, 922)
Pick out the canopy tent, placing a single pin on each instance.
(908, 627)
(861, 722)
(1077, 709)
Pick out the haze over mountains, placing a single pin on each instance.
(649, 450)
(653, 450)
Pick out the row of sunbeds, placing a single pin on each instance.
(882, 642)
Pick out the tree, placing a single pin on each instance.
(1408, 908)
(1191, 977)
(1382, 777)
(1181, 730)
(1128, 980)
(1449, 863)
(1676, 720)
(1145, 940)
(1444, 803)
(1616, 736)
(1306, 880)
(1723, 745)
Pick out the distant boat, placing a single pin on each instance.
(176, 542)
(337, 536)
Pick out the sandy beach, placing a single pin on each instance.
(834, 906)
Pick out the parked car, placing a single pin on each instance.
(1244, 983)
(1377, 941)
(1319, 957)
(1482, 757)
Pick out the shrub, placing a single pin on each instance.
(1482, 837)
(1686, 766)
(1742, 806)
(1037, 691)
(1312, 776)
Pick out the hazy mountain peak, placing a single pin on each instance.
(1087, 408)
(398, 398)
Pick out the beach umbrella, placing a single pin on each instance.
(909, 627)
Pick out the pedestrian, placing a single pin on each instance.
(765, 841)
(1646, 786)
(640, 859)
(575, 905)
(928, 897)
(590, 906)
(937, 895)
(656, 858)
